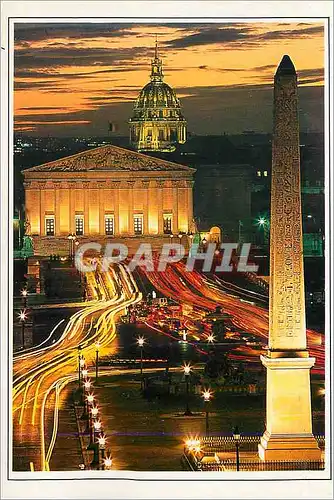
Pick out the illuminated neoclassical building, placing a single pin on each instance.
(107, 193)
(157, 123)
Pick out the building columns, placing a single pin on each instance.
(175, 211)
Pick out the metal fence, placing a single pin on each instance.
(260, 466)
(210, 445)
(246, 443)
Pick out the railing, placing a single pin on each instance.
(277, 465)
(223, 442)
(210, 445)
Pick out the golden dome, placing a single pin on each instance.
(157, 122)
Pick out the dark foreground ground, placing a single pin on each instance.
(149, 435)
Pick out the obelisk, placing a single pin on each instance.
(288, 434)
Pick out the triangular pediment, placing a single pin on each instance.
(108, 158)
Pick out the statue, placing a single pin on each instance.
(27, 227)
(27, 248)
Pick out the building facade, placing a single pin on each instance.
(106, 193)
(157, 123)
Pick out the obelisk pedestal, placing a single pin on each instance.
(288, 434)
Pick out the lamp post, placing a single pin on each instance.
(97, 427)
(236, 437)
(79, 366)
(81, 369)
(70, 241)
(211, 338)
(24, 294)
(102, 445)
(180, 239)
(263, 224)
(23, 317)
(191, 237)
(187, 369)
(108, 461)
(141, 342)
(207, 395)
(71, 238)
(90, 424)
(97, 345)
(240, 232)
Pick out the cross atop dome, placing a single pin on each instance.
(156, 73)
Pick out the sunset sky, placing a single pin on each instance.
(72, 79)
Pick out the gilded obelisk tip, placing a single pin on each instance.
(286, 67)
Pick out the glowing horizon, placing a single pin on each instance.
(71, 74)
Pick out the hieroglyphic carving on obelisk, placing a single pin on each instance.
(288, 434)
(287, 305)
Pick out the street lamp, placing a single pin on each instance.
(108, 461)
(102, 445)
(97, 345)
(211, 338)
(96, 428)
(207, 395)
(263, 223)
(95, 411)
(70, 241)
(187, 370)
(91, 429)
(236, 437)
(24, 294)
(81, 365)
(22, 317)
(71, 238)
(90, 398)
(87, 385)
(84, 372)
(180, 238)
(141, 342)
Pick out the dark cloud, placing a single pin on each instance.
(211, 36)
(241, 37)
(264, 68)
(42, 108)
(297, 33)
(315, 72)
(31, 32)
(46, 57)
(23, 73)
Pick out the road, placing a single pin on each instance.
(204, 293)
(41, 373)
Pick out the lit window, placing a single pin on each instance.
(265, 173)
(138, 224)
(79, 225)
(50, 225)
(109, 224)
(258, 173)
(167, 223)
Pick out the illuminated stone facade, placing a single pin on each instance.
(288, 432)
(107, 193)
(157, 123)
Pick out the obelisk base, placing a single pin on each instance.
(288, 434)
(285, 448)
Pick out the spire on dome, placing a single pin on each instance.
(156, 73)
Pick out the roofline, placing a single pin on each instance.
(184, 167)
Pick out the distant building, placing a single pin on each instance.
(157, 123)
(107, 193)
(222, 197)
